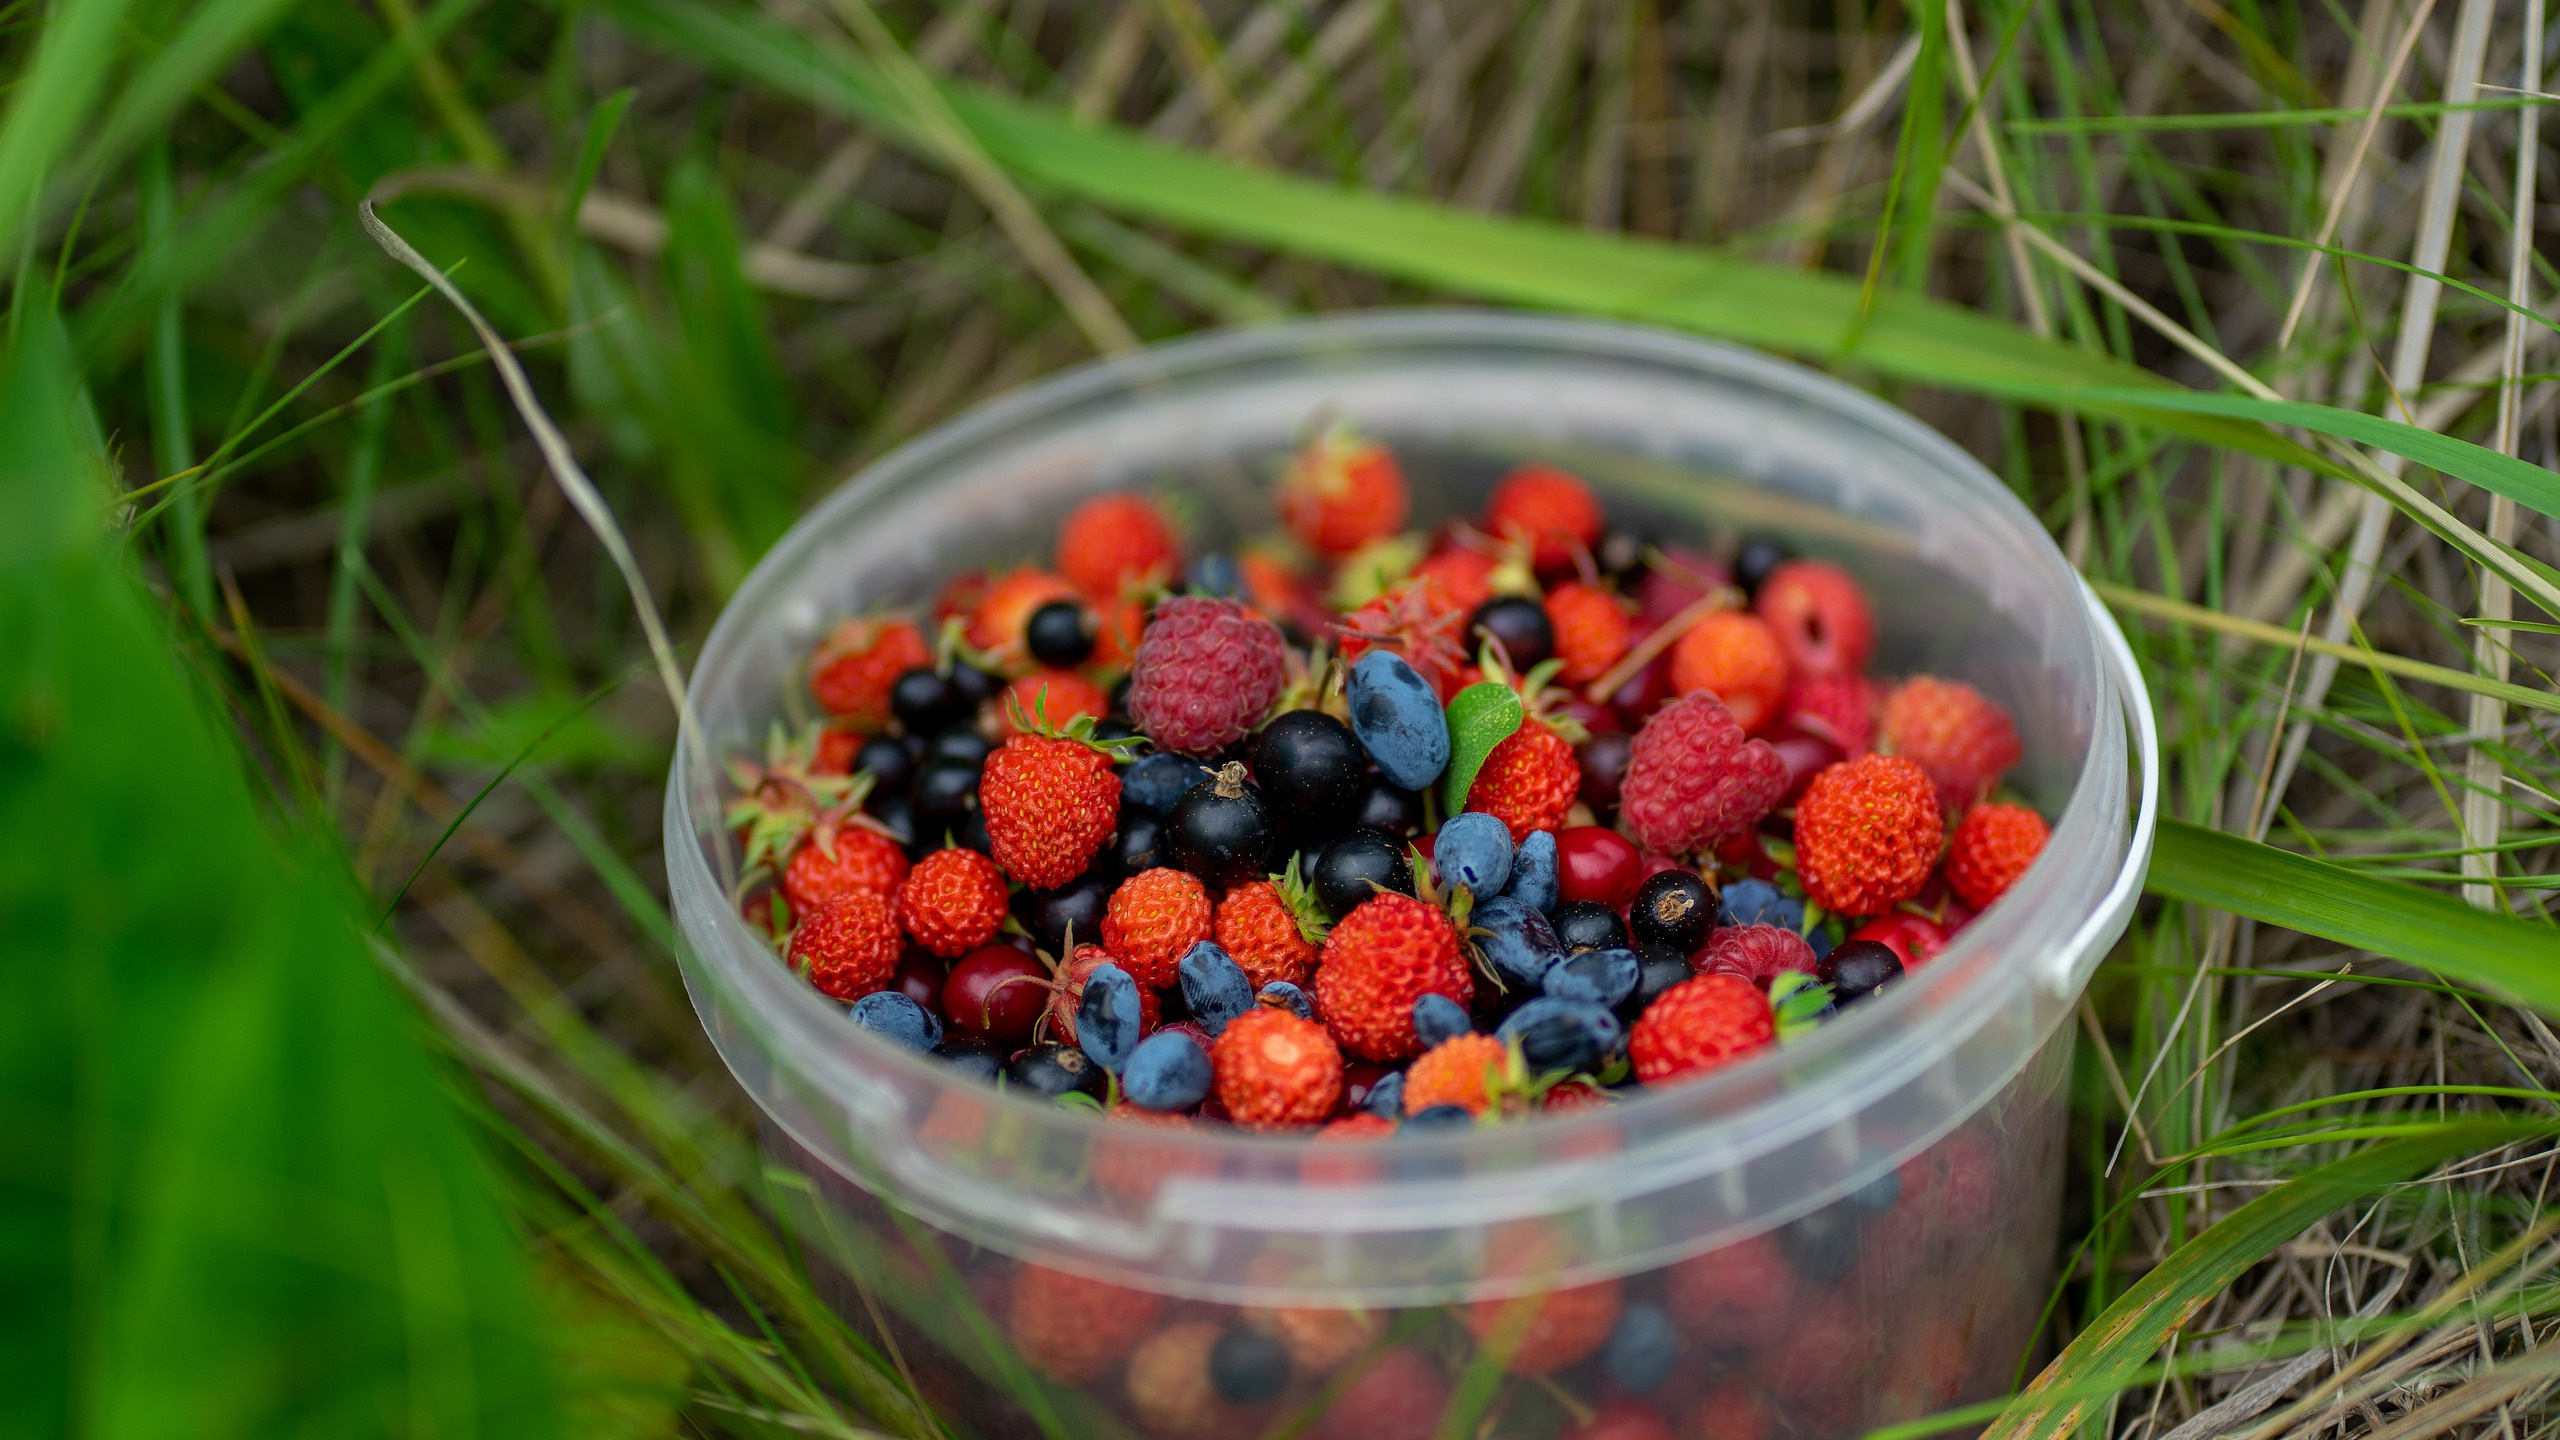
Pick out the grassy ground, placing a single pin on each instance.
(742, 251)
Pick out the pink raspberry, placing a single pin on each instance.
(1694, 780)
(1205, 672)
(1757, 953)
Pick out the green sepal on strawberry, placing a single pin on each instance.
(786, 797)
(1797, 1003)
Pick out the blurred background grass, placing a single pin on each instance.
(744, 249)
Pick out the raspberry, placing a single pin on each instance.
(848, 946)
(1700, 1025)
(1757, 953)
(1276, 1070)
(1734, 1295)
(1256, 926)
(1529, 782)
(1819, 616)
(1154, 919)
(1962, 739)
(1390, 951)
(831, 864)
(1458, 578)
(1994, 845)
(1553, 512)
(852, 669)
(1067, 992)
(1072, 1329)
(1591, 629)
(1054, 697)
(1410, 620)
(1867, 834)
(1737, 657)
(1168, 1380)
(1340, 493)
(1458, 1071)
(1050, 802)
(1206, 670)
(1838, 709)
(1002, 613)
(1693, 781)
(953, 902)
(1112, 541)
(1545, 1330)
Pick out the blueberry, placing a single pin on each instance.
(1357, 865)
(1878, 1195)
(1516, 941)
(1060, 634)
(1474, 850)
(1658, 970)
(1168, 1071)
(1757, 559)
(1398, 719)
(1641, 1349)
(1823, 1245)
(1139, 844)
(1078, 904)
(1214, 986)
(1216, 573)
(1158, 782)
(1221, 831)
(1055, 1070)
(971, 1058)
(1534, 879)
(1388, 809)
(1587, 925)
(1439, 1117)
(1674, 910)
(1856, 969)
(1282, 995)
(1309, 766)
(924, 700)
(1520, 623)
(1108, 1017)
(1603, 977)
(1558, 1034)
(1247, 1367)
(1436, 1018)
(890, 764)
(1386, 1097)
(895, 1015)
(961, 745)
(942, 792)
(1757, 902)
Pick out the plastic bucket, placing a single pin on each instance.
(1846, 1231)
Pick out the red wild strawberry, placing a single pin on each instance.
(1591, 628)
(1275, 1070)
(837, 745)
(1838, 709)
(1915, 939)
(1819, 616)
(1867, 834)
(1131, 1167)
(1050, 802)
(1168, 1381)
(1072, 1329)
(1340, 493)
(953, 902)
(848, 947)
(1458, 578)
(1258, 927)
(1552, 512)
(1994, 845)
(852, 669)
(1400, 1397)
(1757, 953)
(1962, 739)
(1461, 1070)
(1829, 1336)
(1205, 672)
(1529, 781)
(1733, 1411)
(1066, 992)
(1276, 586)
(961, 594)
(1736, 656)
(1388, 952)
(1056, 697)
(1700, 1025)
(1414, 624)
(1004, 612)
(1112, 541)
(1154, 919)
(1546, 1329)
(1623, 1419)
(836, 861)
(1694, 781)
(1733, 1295)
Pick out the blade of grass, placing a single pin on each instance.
(49, 100)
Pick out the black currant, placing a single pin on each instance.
(1388, 809)
(1308, 767)
(941, 793)
(1356, 866)
(1052, 1070)
(1674, 910)
(1855, 969)
(1757, 559)
(1140, 845)
(1657, 970)
(1520, 623)
(1604, 768)
(961, 744)
(924, 701)
(1620, 554)
(1587, 925)
(1076, 905)
(1060, 634)
(975, 687)
(890, 764)
(1247, 1367)
(1221, 831)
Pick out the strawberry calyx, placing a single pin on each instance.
(1539, 695)
(1798, 1002)
(1300, 899)
(951, 646)
(1080, 729)
(784, 797)
(1368, 573)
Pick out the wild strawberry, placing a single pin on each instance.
(961, 594)
(1056, 697)
(953, 902)
(1994, 845)
(1119, 624)
(852, 669)
(1277, 585)
(1318, 1338)
(1623, 1419)
(787, 797)
(1414, 624)
(1700, 1025)
(1462, 1070)
(1827, 1337)
(1168, 1381)
(1112, 541)
(1962, 739)
(1552, 512)
(1258, 926)
(836, 861)
(1003, 613)
(1072, 1329)
(1837, 709)
(1867, 834)
(1401, 1397)
(1575, 1094)
(1066, 992)
(1154, 919)
(1050, 801)
(1694, 781)
(1819, 616)
(1547, 1329)
(1131, 1168)
(1591, 629)
(1205, 672)
(1757, 953)
(1737, 657)
(1276, 1070)
(1529, 781)
(1340, 493)
(848, 946)
(1733, 1295)
(1390, 951)
(837, 745)
(1733, 1411)
(1457, 577)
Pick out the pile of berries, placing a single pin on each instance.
(1356, 828)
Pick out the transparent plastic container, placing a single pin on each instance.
(1847, 1231)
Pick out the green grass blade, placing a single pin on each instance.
(49, 100)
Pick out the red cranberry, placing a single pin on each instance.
(996, 993)
(1604, 767)
(920, 975)
(1597, 864)
(1916, 939)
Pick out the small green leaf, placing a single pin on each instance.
(1480, 717)
(1797, 1000)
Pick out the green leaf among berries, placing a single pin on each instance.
(1480, 717)
(1798, 1001)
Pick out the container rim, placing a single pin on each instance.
(1859, 1053)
